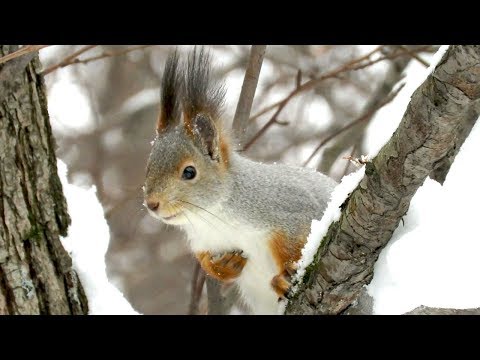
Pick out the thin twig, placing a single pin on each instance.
(250, 81)
(414, 55)
(308, 83)
(347, 166)
(106, 54)
(22, 51)
(198, 280)
(299, 88)
(269, 123)
(356, 64)
(68, 60)
(353, 123)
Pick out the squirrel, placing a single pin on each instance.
(246, 222)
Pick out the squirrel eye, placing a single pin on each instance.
(189, 173)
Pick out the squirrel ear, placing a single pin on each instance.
(171, 89)
(202, 103)
(205, 135)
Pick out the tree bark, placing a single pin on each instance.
(431, 129)
(364, 306)
(36, 275)
(425, 310)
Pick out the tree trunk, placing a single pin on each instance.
(36, 275)
(439, 117)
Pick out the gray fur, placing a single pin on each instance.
(278, 197)
(164, 177)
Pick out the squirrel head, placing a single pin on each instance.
(187, 170)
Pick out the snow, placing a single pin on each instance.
(332, 213)
(433, 260)
(87, 243)
(66, 96)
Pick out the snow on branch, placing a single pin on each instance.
(87, 243)
(431, 129)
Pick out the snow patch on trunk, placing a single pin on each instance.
(87, 243)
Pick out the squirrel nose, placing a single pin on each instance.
(152, 204)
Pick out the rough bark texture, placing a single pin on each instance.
(36, 275)
(431, 128)
(443, 166)
(364, 306)
(425, 310)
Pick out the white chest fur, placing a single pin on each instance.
(216, 233)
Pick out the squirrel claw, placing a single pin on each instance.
(224, 266)
(281, 283)
(281, 286)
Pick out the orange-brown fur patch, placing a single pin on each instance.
(280, 285)
(285, 251)
(187, 124)
(161, 122)
(225, 150)
(224, 268)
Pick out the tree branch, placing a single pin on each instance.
(68, 60)
(440, 172)
(425, 310)
(218, 303)
(9, 79)
(364, 306)
(361, 119)
(74, 60)
(415, 56)
(356, 64)
(198, 280)
(250, 81)
(354, 135)
(27, 49)
(429, 130)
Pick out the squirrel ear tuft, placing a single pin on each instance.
(202, 95)
(170, 93)
(205, 135)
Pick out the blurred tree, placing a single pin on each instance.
(36, 275)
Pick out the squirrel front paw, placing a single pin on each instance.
(225, 266)
(281, 283)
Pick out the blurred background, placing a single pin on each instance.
(104, 100)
